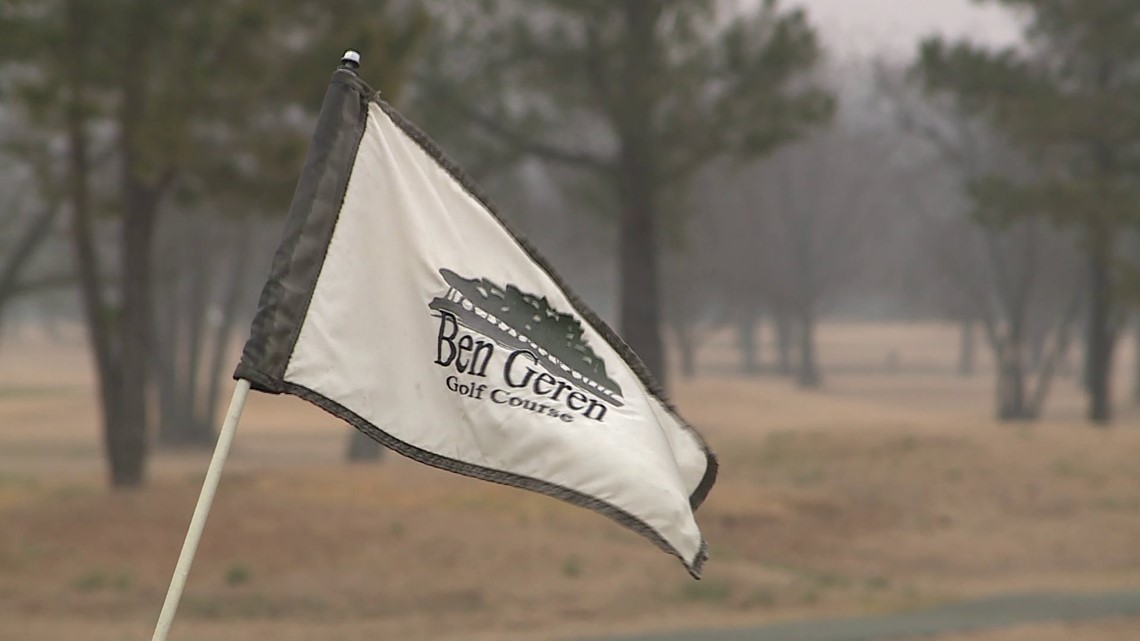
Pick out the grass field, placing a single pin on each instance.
(890, 489)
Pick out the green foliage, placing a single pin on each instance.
(761, 598)
(706, 591)
(581, 82)
(878, 583)
(91, 581)
(634, 97)
(572, 567)
(1063, 467)
(124, 581)
(128, 106)
(97, 579)
(238, 575)
(1067, 100)
(220, 97)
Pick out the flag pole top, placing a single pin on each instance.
(350, 60)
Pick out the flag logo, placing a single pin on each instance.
(400, 301)
(535, 336)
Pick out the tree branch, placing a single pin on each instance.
(594, 63)
(534, 147)
(42, 283)
(25, 248)
(517, 140)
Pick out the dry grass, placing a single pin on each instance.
(889, 490)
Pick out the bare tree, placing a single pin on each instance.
(203, 277)
(715, 274)
(799, 226)
(1021, 283)
(693, 303)
(31, 231)
(671, 84)
(30, 216)
(1018, 280)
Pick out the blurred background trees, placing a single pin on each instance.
(698, 169)
(1016, 279)
(636, 95)
(1066, 100)
(161, 127)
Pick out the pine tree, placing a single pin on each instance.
(153, 101)
(634, 95)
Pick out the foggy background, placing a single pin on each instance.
(881, 253)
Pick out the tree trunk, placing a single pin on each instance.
(1086, 355)
(1136, 359)
(170, 415)
(362, 449)
(1012, 404)
(101, 332)
(131, 442)
(1100, 339)
(1066, 368)
(1053, 360)
(638, 278)
(140, 211)
(235, 281)
(186, 419)
(638, 261)
(19, 255)
(967, 347)
(746, 342)
(808, 375)
(203, 273)
(166, 355)
(784, 341)
(173, 418)
(686, 348)
(1037, 341)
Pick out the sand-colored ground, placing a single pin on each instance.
(890, 489)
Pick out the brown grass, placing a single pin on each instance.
(890, 489)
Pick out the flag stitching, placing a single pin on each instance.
(258, 366)
(498, 476)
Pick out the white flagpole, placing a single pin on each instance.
(201, 511)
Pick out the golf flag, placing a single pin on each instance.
(402, 303)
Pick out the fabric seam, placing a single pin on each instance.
(501, 477)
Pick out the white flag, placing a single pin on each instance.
(400, 302)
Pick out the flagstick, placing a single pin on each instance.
(201, 511)
(350, 61)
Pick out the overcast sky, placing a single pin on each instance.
(896, 26)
